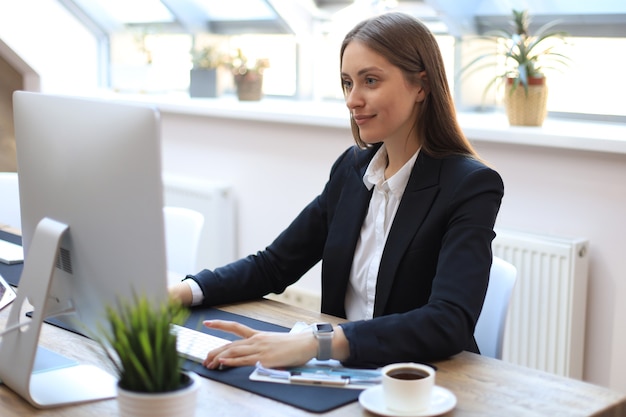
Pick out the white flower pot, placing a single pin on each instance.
(181, 403)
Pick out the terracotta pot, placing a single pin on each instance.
(180, 403)
(249, 86)
(526, 109)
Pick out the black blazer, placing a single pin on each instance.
(434, 269)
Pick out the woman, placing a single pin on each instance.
(403, 227)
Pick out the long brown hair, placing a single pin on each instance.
(409, 45)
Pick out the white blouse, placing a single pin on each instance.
(361, 292)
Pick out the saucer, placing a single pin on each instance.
(441, 402)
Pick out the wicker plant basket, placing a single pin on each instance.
(249, 86)
(526, 109)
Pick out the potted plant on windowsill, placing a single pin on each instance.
(248, 77)
(203, 74)
(525, 57)
(138, 340)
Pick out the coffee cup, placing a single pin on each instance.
(407, 387)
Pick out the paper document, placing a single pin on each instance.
(7, 295)
(10, 253)
(327, 373)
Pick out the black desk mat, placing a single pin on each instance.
(11, 273)
(310, 398)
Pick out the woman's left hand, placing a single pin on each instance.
(272, 349)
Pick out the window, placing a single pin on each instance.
(160, 62)
(149, 43)
(149, 63)
(591, 84)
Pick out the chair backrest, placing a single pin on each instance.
(10, 200)
(489, 332)
(183, 228)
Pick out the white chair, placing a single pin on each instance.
(10, 200)
(489, 332)
(183, 228)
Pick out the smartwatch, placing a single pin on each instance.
(324, 334)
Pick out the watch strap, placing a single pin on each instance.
(324, 341)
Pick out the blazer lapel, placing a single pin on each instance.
(417, 199)
(342, 238)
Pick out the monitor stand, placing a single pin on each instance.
(60, 383)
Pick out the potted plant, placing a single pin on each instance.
(525, 58)
(138, 340)
(248, 77)
(203, 75)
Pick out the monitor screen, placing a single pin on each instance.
(95, 166)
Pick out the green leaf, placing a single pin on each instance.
(525, 56)
(139, 343)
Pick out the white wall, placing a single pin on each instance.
(51, 42)
(274, 172)
(277, 168)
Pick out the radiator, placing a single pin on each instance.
(215, 201)
(545, 327)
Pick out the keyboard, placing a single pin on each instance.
(194, 344)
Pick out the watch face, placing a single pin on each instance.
(324, 327)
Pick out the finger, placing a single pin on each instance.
(230, 327)
(231, 362)
(212, 355)
(238, 353)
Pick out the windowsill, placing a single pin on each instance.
(486, 127)
(555, 133)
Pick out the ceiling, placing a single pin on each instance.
(290, 16)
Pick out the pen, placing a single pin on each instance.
(303, 378)
(316, 379)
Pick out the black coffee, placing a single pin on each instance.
(408, 374)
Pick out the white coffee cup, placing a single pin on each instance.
(408, 387)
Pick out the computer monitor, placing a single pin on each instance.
(91, 200)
